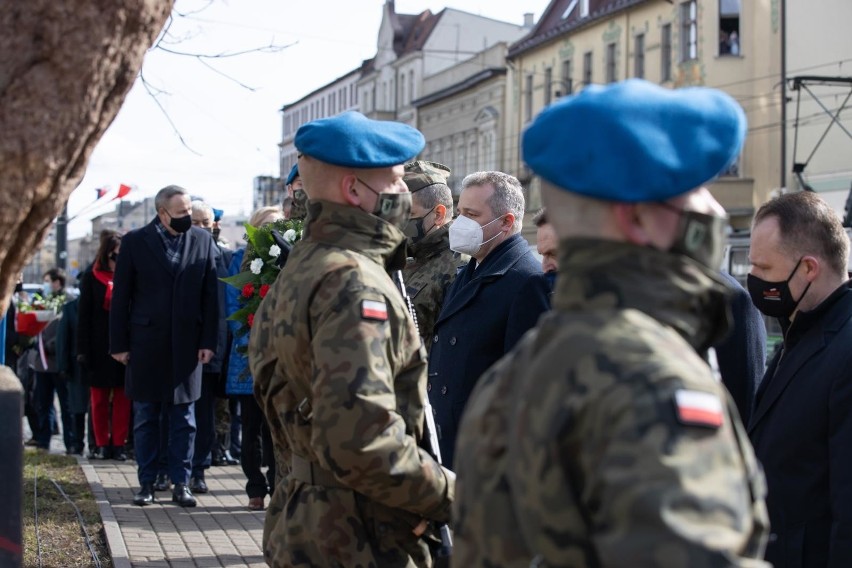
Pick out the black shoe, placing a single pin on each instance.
(197, 485)
(118, 453)
(162, 483)
(145, 495)
(230, 460)
(100, 453)
(183, 496)
(218, 459)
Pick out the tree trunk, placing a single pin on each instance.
(65, 68)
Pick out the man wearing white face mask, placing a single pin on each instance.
(493, 301)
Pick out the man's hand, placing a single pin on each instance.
(205, 355)
(123, 358)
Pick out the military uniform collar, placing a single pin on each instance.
(672, 289)
(432, 244)
(351, 228)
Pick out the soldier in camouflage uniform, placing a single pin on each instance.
(603, 439)
(431, 266)
(338, 366)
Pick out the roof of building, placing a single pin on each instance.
(318, 89)
(461, 86)
(562, 16)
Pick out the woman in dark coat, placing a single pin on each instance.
(106, 375)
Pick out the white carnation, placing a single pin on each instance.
(289, 235)
(275, 250)
(256, 265)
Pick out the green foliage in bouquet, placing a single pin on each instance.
(262, 259)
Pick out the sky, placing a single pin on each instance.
(230, 133)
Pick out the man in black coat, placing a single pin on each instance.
(493, 301)
(801, 426)
(163, 326)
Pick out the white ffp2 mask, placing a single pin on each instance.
(466, 235)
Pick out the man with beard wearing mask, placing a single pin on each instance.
(164, 321)
(338, 366)
(493, 301)
(431, 266)
(801, 426)
(603, 439)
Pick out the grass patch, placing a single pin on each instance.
(62, 541)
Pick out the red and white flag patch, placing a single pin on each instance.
(698, 408)
(374, 310)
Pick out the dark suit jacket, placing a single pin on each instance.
(486, 311)
(163, 316)
(801, 429)
(742, 355)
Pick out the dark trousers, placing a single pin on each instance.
(205, 418)
(236, 426)
(257, 449)
(47, 386)
(181, 439)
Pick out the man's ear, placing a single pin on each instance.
(813, 267)
(440, 215)
(347, 190)
(628, 221)
(508, 222)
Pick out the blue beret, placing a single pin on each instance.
(635, 141)
(352, 140)
(217, 214)
(294, 172)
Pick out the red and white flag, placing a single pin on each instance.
(123, 190)
(699, 408)
(374, 310)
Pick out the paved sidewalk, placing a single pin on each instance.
(220, 531)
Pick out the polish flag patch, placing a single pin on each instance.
(698, 408)
(374, 310)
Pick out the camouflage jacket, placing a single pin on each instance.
(428, 273)
(340, 374)
(603, 439)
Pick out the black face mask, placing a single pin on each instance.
(774, 298)
(216, 232)
(414, 229)
(180, 224)
(701, 237)
(394, 208)
(19, 287)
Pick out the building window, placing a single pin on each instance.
(610, 63)
(567, 82)
(548, 86)
(729, 27)
(689, 30)
(528, 92)
(402, 100)
(587, 68)
(411, 84)
(584, 8)
(639, 56)
(666, 53)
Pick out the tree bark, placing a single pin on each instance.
(65, 68)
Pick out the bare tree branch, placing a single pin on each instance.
(150, 89)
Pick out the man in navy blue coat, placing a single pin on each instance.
(163, 325)
(801, 426)
(493, 301)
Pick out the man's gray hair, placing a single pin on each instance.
(161, 201)
(508, 196)
(199, 206)
(432, 195)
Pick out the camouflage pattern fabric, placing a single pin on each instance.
(341, 377)
(430, 270)
(573, 450)
(422, 173)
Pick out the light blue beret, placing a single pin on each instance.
(352, 140)
(635, 141)
(294, 172)
(218, 214)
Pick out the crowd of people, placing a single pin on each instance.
(418, 376)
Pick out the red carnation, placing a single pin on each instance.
(263, 290)
(250, 320)
(248, 290)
